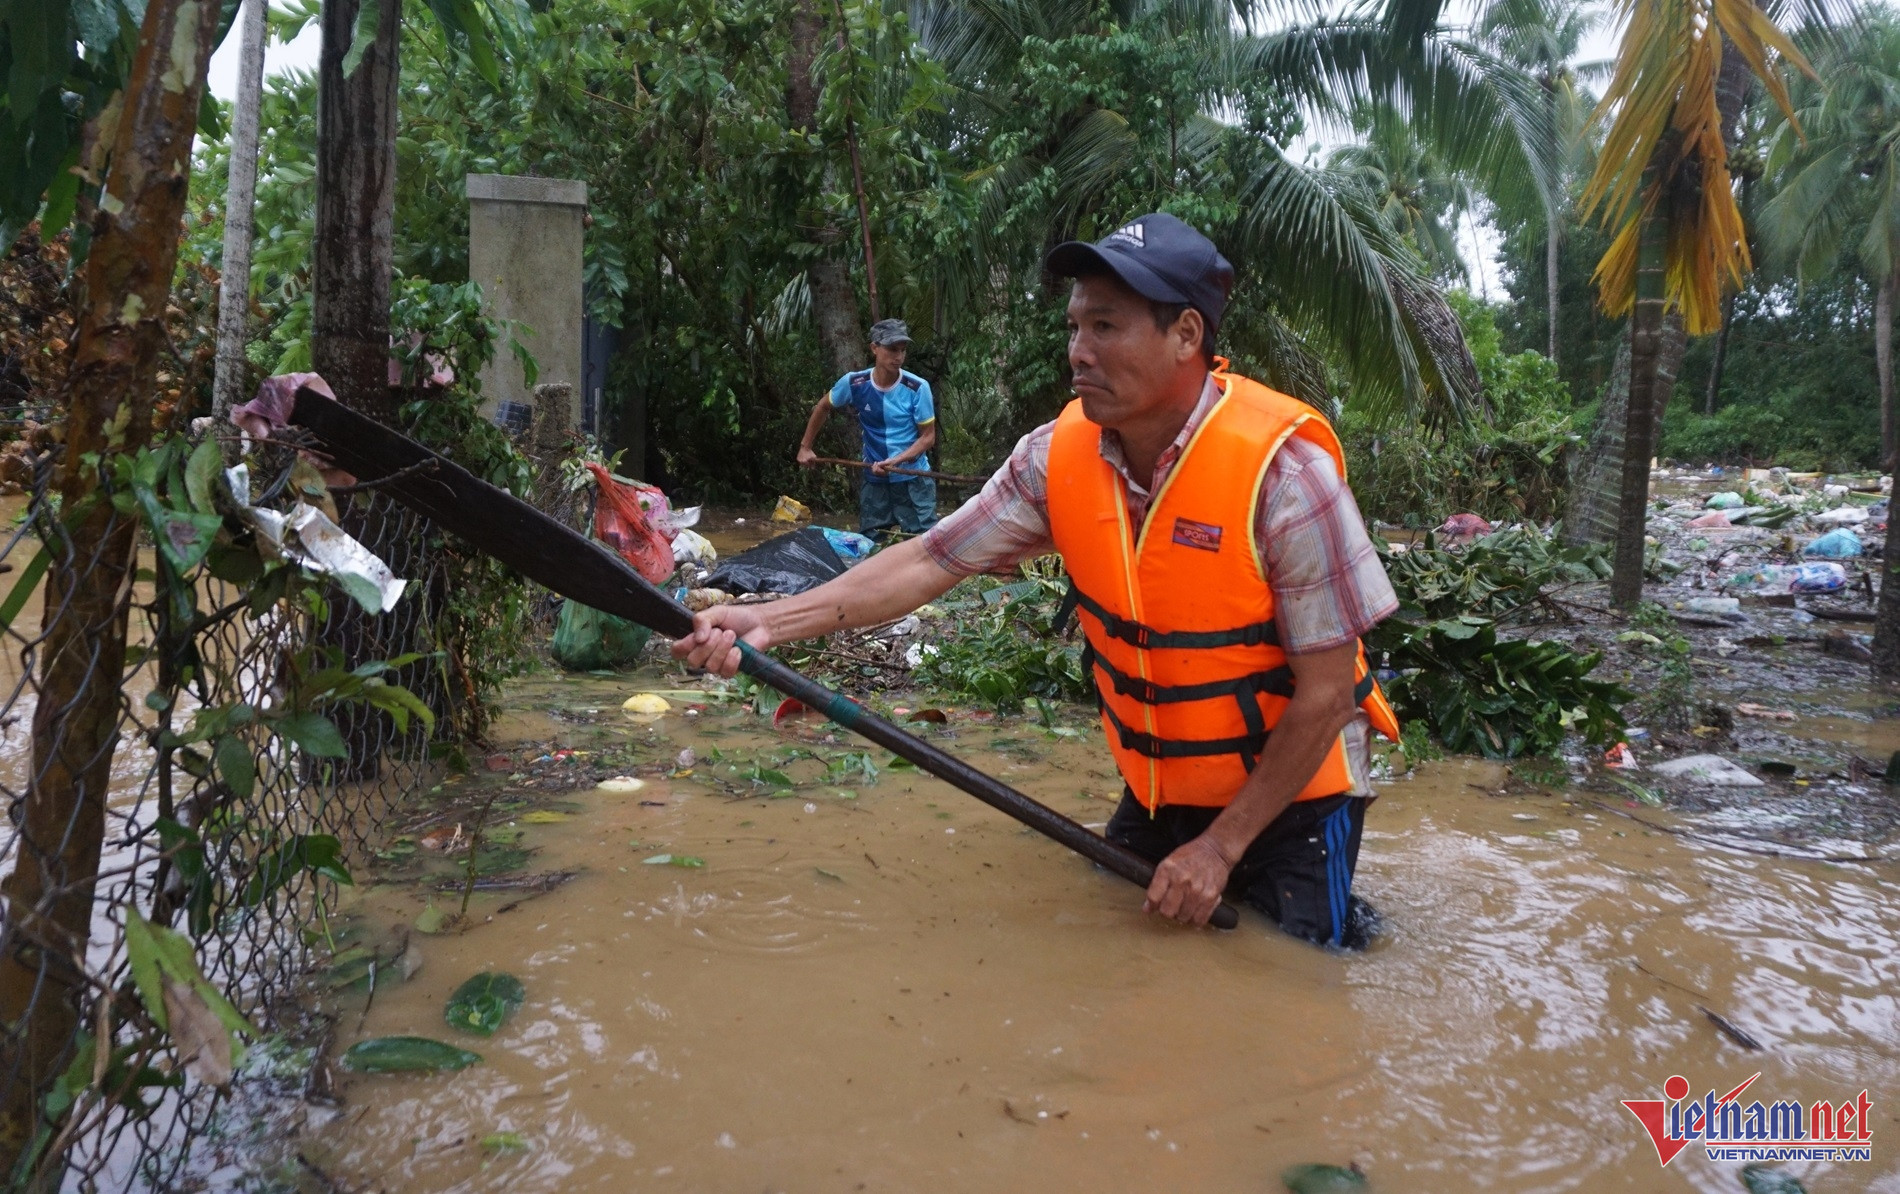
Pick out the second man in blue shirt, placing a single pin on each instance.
(898, 418)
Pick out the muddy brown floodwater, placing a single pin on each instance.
(903, 990)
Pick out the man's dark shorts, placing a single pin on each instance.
(1298, 871)
(907, 504)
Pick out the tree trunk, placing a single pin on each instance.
(1887, 616)
(351, 251)
(1590, 509)
(352, 260)
(1639, 425)
(1714, 393)
(1883, 366)
(229, 382)
(834, 300)
(1553, 219)
(76, 717)
(1550, 279)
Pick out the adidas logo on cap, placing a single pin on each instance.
(1132, 233)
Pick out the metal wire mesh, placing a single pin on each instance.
(183, 844)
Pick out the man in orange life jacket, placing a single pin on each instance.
(1223, 579)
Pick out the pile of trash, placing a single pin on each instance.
(639, 523)
(1773, 536)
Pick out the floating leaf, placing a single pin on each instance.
(504, 1142)
(484, 1002)
(1322, 1179)
(685, 860)
(432, 920)
(935, 716)
(495, 859)
(541, 816)
(397, 1054)
(829, 874)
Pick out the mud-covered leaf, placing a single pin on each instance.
(203, 1042)
(1766, 1179)
(541, 816)
(484, 1003)
(934, 716)
(1322, 1179)
(496, 859)
(400, 1054)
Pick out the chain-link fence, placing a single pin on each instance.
(179, 823)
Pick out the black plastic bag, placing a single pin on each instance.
(791, 563)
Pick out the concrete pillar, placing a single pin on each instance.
(524, 251)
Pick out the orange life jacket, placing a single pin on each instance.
(1178, 613)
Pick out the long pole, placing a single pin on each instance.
(554, 554)
(948, 478)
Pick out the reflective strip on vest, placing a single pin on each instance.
(1182, 648)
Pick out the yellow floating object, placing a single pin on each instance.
(545, 816)
(646, 702)
(790, 509)
(620, 783)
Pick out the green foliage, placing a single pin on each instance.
(1501, 698)
(1456, 678)
(1511, 465)
(1670, 698)
(1496, 575)
(1005, 651)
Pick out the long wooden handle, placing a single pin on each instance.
(561, 558)
(952, 770)
(949, 478)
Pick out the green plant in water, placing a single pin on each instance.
(1670, 699)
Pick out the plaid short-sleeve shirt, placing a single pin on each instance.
(1329, 587)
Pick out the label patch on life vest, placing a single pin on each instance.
(1196, 534)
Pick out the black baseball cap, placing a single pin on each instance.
(1161, 258)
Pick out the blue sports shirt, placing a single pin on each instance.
(889, 418)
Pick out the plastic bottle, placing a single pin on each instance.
(1769, 578)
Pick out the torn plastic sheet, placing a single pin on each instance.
(320, 545)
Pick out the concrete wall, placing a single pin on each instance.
(524, 250)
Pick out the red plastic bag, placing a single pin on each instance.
(620, 521)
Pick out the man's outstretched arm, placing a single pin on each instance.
(889, 585)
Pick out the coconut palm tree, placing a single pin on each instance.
(1409, 188)
(1837, 194)
(1662, 182)
(1837, 189)
(1186, 94)
(1542, 37)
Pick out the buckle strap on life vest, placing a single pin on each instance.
(1247, 746)
(1255, 634)
(1272, 682)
